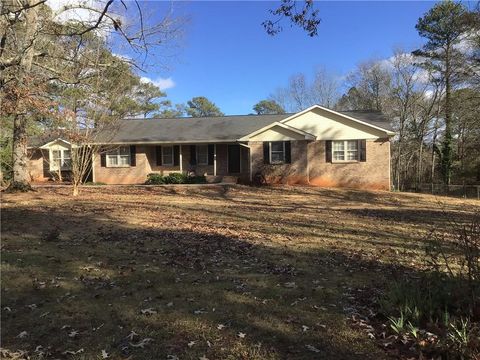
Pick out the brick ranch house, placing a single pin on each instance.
(316, 146)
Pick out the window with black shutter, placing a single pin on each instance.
(193, 155)
(158, 155)
(176, 155)
(211, 154)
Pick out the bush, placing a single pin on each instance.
(174, 178)
(196, 180)
(155, 179)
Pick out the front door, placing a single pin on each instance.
(233, 159)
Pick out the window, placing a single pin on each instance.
(60, 159)
(119, 157)
(345, 150)
(202, 154)
(167, 155)
(277, 152)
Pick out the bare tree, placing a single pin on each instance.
(324, 89)
(302, 93)
(31, 56)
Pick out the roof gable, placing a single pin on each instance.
(278, 131)
(328, 124)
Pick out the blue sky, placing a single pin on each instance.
(227, 56)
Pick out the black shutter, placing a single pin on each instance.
(193, 155)
(266, 152)
(328, 151)
(133, 155)
(103, 159)
(362, 144)
(288, 152)
(211, 153)
(176, 155)
(158, 154)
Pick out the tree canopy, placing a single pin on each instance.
(200, 106)
(268, 107)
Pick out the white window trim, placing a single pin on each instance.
(170, 163)
(270, 153)
(198, 157)
(53, 166)
(116, 153)
(345, 151)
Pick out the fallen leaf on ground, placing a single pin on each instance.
(149, 311)
(142, 343)
(131, 335)
(312, 348)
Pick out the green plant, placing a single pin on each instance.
(175, 178)
(413, 330)
(196, 180)
(397, 324)
(155, 179)
(458, 333)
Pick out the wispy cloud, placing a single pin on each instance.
(162, 83)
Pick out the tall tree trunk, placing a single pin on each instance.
(419, 165)
(21, 179)
(447, 137)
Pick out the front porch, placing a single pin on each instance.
(224, 162)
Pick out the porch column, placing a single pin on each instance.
(214, 159)
(181, 159)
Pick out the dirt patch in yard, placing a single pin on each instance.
(224, 272)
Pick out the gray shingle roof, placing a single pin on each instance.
(371, 117)
(221, 128)
(205, 129)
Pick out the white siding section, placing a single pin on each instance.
(277, 133)
(328, 126)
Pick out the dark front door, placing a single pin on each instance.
(233, 159)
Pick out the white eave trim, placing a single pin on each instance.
(47, 145)
(388, 132)
(307, 136)
(169, 142)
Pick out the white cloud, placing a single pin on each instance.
(162, 83)
(85, 11)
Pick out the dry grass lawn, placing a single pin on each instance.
(213, 272)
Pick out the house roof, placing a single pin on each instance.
(204, 129)
(371, 117)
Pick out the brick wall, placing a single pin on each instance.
(294, 173)
(38, 165)
(372, 174)
(146, 160)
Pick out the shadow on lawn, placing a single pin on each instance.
(95, 274)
